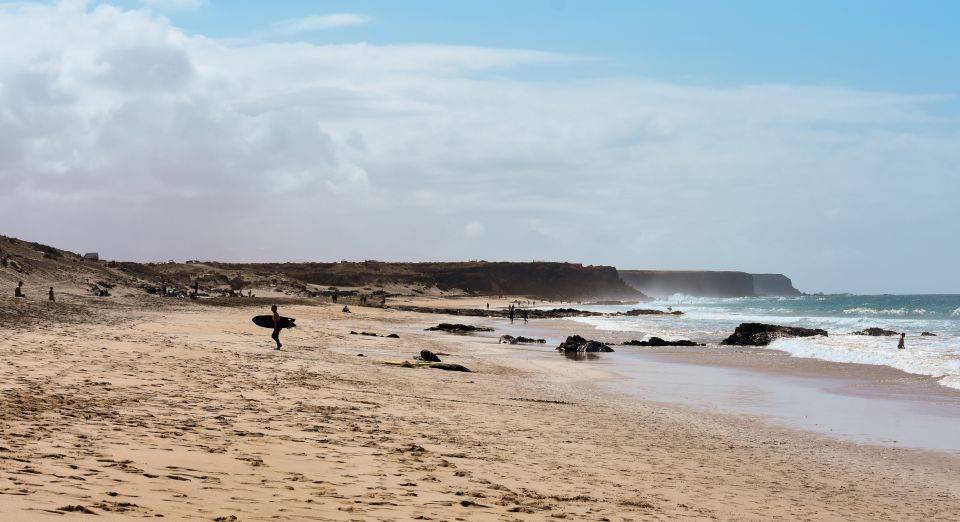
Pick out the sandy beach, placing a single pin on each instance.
(147, 407)
(558, 259)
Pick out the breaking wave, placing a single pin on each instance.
(936, 359)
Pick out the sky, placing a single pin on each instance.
(816, 139)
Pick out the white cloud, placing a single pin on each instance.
(475, 229)
(174, 5)
(314, 23)
(120, 133)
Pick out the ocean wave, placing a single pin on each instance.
(874, 311)
(956, 313)
(935, 361)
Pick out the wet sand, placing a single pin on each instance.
(187, 412)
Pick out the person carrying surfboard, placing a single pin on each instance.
(276, 326)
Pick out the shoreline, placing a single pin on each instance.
(888, 391)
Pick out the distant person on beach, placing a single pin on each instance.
(525, 315)
(52, 298)
(276, 326)
(18, 292)
(901, 344)
(488, 306)
(510, 313)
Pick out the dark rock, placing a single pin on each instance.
(360, 355)
(428, 356)
(928, 334)
(509, 339)
(575, 343)
(759, 334)
(393, 336)
(532, 313)
(345, 310)
(875, 332)
(651, 312)
(656, 341)
(458, 328)
(450, 367)
(369, 334)
(77, 509)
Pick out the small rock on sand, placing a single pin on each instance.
(656, 341)
(428, 356)
(575, 343)
(458, 328)
(450, 367)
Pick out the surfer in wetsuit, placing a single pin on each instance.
(276, 326)
(19, 290)
(52, 298)
(901, 345)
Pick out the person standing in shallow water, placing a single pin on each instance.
(276, 326)
(52, 298)
(901, 345)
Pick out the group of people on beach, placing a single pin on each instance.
(513, 311)
(18, 292)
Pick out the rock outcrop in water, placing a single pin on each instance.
(644, 311)
(759, 334)
(875, 332)
(575, 343)
(656, 341)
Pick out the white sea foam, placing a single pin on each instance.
(874, 311)
(934, 358)
(709, 320)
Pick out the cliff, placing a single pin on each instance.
(40, 266)
(774, 284)
(689, 282)
(704, 283)
(534, 279)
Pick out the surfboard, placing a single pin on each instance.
(266, 321)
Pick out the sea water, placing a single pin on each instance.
(710, 320)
